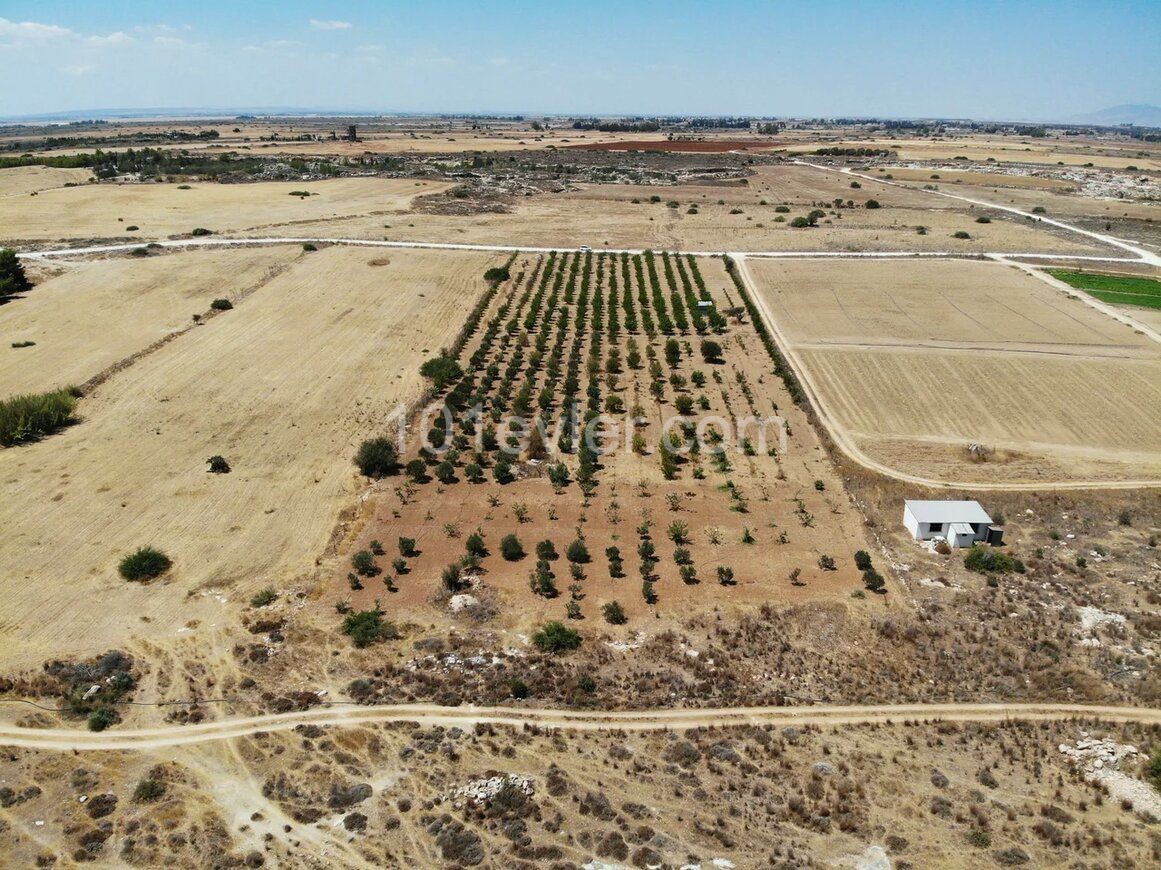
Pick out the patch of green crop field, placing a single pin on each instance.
(1114, 289)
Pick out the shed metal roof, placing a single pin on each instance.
(947, 511)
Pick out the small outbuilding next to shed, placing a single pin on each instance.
(960, 523)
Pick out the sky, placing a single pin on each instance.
(982, 59)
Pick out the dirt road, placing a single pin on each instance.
(68, 739)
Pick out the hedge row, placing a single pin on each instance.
(781, 367)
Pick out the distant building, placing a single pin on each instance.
(960, 523)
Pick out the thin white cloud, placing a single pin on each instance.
(330, 25)
(26, 32)
(168, 40)
(33, 30)
(117, 38)
(273, 45)
(75, 70)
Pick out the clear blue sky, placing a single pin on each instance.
(967, 58)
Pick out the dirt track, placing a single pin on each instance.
(67, 739)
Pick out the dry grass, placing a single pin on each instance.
(104, 211)
(24, 180)
(285, 386)
(99, 312)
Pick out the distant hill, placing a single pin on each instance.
(1139, 114)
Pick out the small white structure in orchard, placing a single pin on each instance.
(960, 523)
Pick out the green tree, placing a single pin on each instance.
(577, 552)
(614, 613)
(442, 370)
(511, 548)
(555, 637)
(366, 627)
(12, 277)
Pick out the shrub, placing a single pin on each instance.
(614, 613)
(407, 547)
(497, 274)
(442, 370)
(863, 560)
(518, 689)
(417, 470)
(855, 185)
(874, 581)
(960, 235)
(511, 548)
(648, 592)
(309, 247)
(502, 471)
(1153, 768)
(263, 598)
(558, 475)
(17, 345)
(987, 560)
(364, 563)
(1039, 210)
(820, 486)
(28, 417)
(102, 718)
(873, 203)
(578, 552)
(616, 563)
(983, 219)
(725, 575)
(222, 305)
(132, 228)
(556, 637)
(475, 545)
(445, 472)
(201, 231)
(148, 790)
(711, 351)
(826, 563)
(218, 465)
(453, 577)
(366, 627)
(546, 550)
(678, 532)
(144, 564)
(800, 223)
(542, 581)
(377, 457)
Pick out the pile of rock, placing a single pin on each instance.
(1100, 761)
(1093, 753)
(480, 791)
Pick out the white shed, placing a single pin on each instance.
(961, 523)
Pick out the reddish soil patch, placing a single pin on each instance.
(709, 146)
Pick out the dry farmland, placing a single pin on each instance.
(728, 216)
(284, 386)
(915, 361)
(106, 211)
(619, 335)
(87, 317)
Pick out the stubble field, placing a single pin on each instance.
(915, 361)
(107, 211)
(284, 386)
